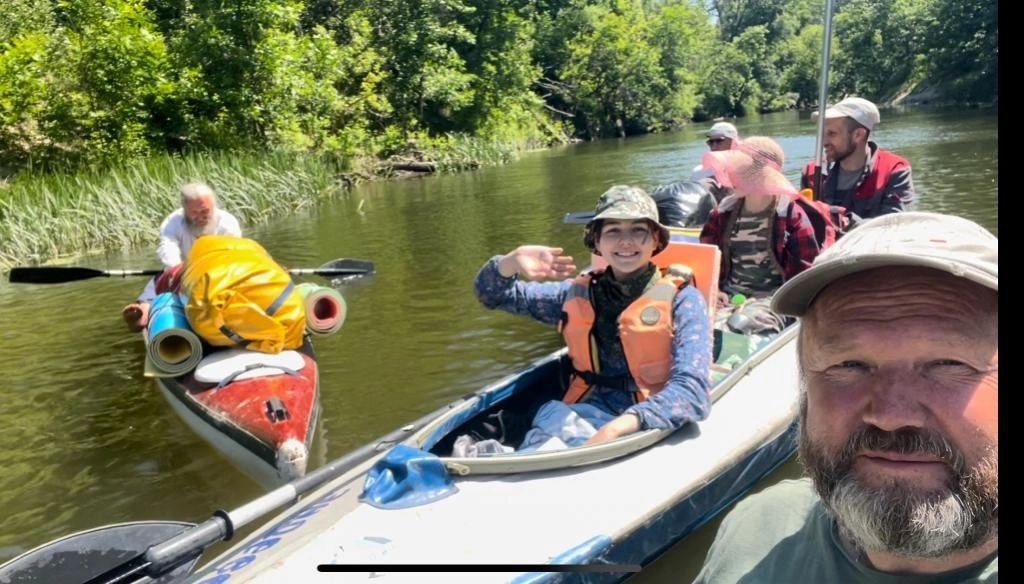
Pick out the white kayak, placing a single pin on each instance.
(622, 502)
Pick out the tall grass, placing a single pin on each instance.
(43, 217)
(467, 152)
(49, 216)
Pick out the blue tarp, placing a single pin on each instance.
(407, 477)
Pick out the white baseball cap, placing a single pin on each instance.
(723, 130)
(861, 110)
(943, 242)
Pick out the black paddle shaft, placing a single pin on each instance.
(165, 556)
(161, 554)
(63, 274)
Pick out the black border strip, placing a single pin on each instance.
(482, 568)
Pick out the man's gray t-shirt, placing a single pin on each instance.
(784, 534)
(847, 180)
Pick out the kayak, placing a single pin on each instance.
(259, 410)
(621, 502)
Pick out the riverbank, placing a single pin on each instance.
(51, 217)
(56, 217)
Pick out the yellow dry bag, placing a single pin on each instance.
(236, 294)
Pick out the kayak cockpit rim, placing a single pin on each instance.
(431, 434)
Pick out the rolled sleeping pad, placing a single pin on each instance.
(173, 348)
(325, 308)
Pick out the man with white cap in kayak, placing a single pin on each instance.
(863, 178)
(198, 216)
(899, 357)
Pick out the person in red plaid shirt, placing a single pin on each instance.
(765, 237)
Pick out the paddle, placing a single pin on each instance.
(338, 267)
(578, 218)
(63, 274)
(108, 547)
(139, 557)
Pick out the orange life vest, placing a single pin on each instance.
(645, 329)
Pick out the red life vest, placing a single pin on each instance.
(872, 188)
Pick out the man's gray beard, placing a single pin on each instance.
(198, 231)
(896, 518)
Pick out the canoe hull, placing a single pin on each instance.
(263, 425)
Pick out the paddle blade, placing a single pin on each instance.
(338, 267)
(348, 266)
(578, 218)
(51, 274)
(80, 557)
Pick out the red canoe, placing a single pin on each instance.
(264, 424)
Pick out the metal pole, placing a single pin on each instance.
(819, 157)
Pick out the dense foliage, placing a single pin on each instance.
(99, 82)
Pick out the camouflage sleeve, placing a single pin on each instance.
(899, 192)
(541, 300)
(686, 397)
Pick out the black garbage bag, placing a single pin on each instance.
(683, 204)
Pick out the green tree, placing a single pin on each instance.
(238, 63)
(877, 46)
(736, 16)
(683, 34)
(963, 47)
(83, 91)
(733, 84)
(22, 17)
(426, 82)
(801, 73)
(501, 64)
(619, 86)
(24, 85)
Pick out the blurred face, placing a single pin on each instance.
(716, 144)
(899, 426)
(627, 245)
(841, 140)
(199, 212)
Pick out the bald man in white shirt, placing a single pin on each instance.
(198, 216)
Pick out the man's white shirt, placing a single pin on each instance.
(176, 239)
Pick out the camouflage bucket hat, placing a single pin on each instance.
(625, 203)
